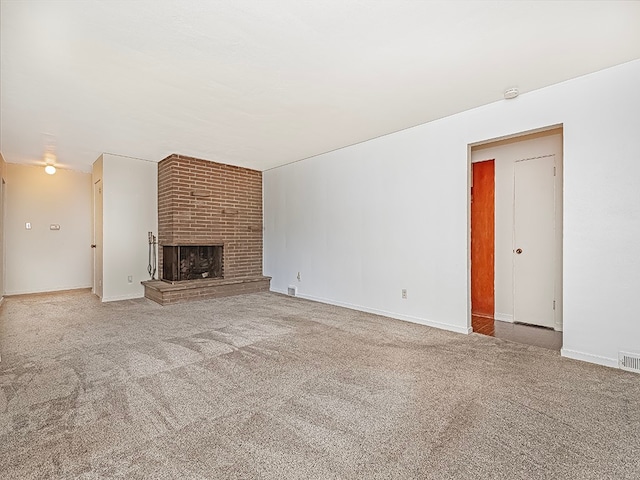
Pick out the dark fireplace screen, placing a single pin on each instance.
(190, 262)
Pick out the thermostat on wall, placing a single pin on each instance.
(54, 226)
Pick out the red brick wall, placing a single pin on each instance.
(207, 203)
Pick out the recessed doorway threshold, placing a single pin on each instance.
(518, 332)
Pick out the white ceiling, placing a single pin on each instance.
(263, 83)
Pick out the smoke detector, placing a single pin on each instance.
(511, 93)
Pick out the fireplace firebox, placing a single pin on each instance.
(191, 262)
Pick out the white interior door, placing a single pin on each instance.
(97, 238)
(534, 241)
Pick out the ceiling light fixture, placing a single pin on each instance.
(49, 161)
(510, 93)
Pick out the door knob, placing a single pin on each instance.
(519, 251)
(93, 245)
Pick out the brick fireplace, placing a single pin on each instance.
(191, 262)
(207, 207)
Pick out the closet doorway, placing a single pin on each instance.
(516, 234)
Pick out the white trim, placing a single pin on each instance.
(129, 296)
(588, 357)
(503, 317)
(61, 289)
(384, 313)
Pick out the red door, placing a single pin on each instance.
(482, 238)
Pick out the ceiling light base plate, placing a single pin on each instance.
(510, 93)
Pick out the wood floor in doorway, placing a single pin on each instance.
(514, 332)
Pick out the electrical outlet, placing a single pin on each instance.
(404, 293)
(130, 279)
(298, 276)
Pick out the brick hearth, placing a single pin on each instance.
(207, 203)
(166, 293)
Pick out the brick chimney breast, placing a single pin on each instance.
(208, 203)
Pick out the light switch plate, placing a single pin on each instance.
(27, 226)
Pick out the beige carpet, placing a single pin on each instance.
(266, 386)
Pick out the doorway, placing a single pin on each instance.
(97, 239)
(3, 253)
(527, 246)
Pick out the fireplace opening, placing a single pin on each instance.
(191, 262)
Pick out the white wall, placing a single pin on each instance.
(505, 156)
(40, 259)
(363, 222)
(130, 211)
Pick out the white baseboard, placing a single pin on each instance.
(587, 357)
(384, 313)
(61, 289)
(503, 317)
(116, 298)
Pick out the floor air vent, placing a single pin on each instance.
(629, 362)
(291, 291)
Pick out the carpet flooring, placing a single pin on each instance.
(266, 386)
